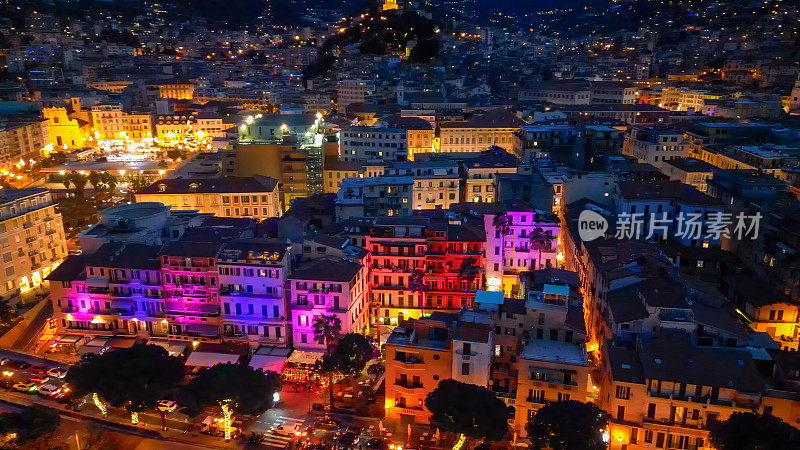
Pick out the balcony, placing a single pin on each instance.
(307, 306)
(50, 231)
(407, 388)
(538, 400)
(69, 309)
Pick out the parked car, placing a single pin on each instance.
(37, 369)
(23, 386)
(328, 422)
(347, 438)
(377, 443)
(166, 406)
(284, 429)
(19, 364)
(58, 372)
(40, 379)
(4, 361)
(49, 390)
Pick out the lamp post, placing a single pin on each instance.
(227, 413)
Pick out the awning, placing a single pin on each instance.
(203, 329)
(304, 357)
(268, 362)
(67, 339)
(173, 348)
(121, 342)
(208, 359)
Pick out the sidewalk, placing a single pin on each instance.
(149, 424)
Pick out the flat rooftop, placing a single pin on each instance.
(555, 351)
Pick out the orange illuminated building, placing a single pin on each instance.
(665, 392)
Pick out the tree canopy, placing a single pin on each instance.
(468, 409)
(749, 431)
(250, 389)
(352, 353)
(135, 377)
(29, 424)
(567, 425)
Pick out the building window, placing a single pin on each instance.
(623, 392)
(464, 368)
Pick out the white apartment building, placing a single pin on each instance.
(327, 286)
(252, 275)
(436, 183)
(373, 144)
(508, 255)
(655, 146)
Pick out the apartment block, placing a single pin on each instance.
(22, 141)
(529, 244)
(327, 286)
(252, 277)
(496, 127)
(424, 351)
(434, 246)
(249, 197)
(31, 237)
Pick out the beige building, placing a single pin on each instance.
(31, 237)
(252, 197)
(65, 130)
(107, 121)
(115, 87)
(22, 141)
(176, 91)
(682, 99)
(172, 127)
(138, 125)
(497, 127)
(690, 171)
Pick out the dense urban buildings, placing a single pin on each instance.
(418, 214)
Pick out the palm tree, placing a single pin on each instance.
(416, 283)
(94, 180)
(110, 180)
(468, 270)
(327, 328)
(79, 181)
(541, 239)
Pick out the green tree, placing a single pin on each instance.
(567, 425)
(234, 388)
(28, 425)
(6, 311)
(541, 240)
(95, 179)
(134, 378)
(468, 410)
(468, 270)
(79, 181)
(749, 431)
(353, 352)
